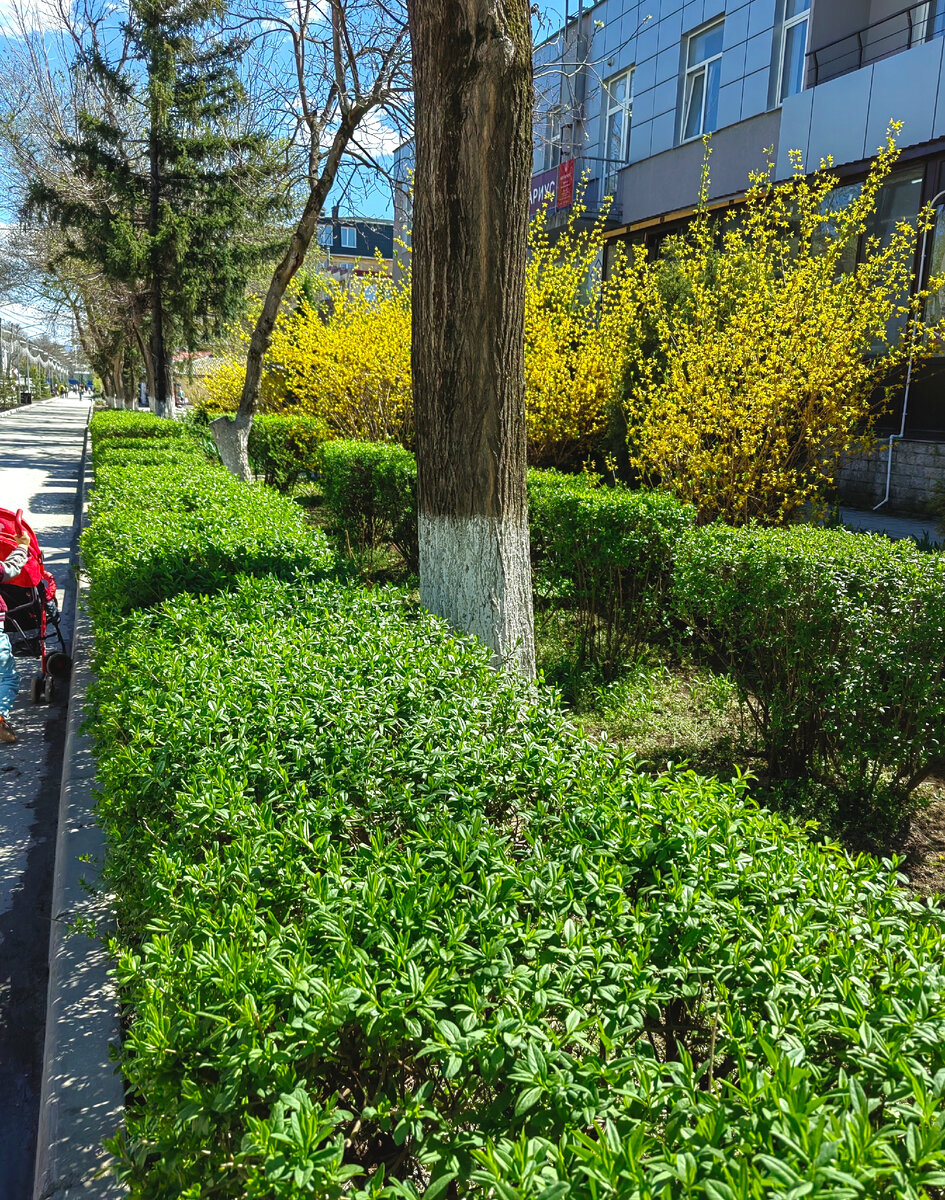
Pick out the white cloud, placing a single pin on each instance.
(376, 138)
(313, 11)
(19, 17)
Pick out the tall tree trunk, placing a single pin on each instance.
(118, 362)
(231, 434)
(473, 79)
(163, 386)
(144, 349)
(128, 385)
(163, 395)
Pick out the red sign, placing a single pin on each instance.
(556, 187)
(565, 193)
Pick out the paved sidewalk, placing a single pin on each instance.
(40, 457)
(894, 527)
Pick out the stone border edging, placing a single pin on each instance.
(82, 1098)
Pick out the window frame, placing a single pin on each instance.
(935, 20)
(549, 126)
(625, 107)
(353, 232)
(788, 23)
(563, 132)
(690, 72)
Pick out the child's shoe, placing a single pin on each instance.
(7, 736)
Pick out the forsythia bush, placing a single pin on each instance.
(224, 384)
(579, 328)
(769, 364)
(348, 361)
(747, 358)
(344, 359)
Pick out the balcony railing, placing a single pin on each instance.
(900, 31)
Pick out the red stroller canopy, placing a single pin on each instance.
(11, 526)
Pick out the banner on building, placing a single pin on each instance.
(564, 196)
(555, 186)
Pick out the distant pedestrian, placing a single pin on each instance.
(9, 680)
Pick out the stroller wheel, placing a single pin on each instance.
(37, 687)
(49, 689)
(58, 664)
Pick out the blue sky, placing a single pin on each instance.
(376, 201)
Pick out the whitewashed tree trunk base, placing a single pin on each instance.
(231, 439)
(475, 573)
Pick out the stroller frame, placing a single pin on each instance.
(27, 625)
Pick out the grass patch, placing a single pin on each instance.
(661, 706)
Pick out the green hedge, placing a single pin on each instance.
(370, 491)
(183, 523)
(836, 641)
(606, 553)
(147, 451)
(110, 423)
(938, 507)
(285, 449)
(371, 892)
(387, 928)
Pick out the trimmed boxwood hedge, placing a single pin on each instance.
(370, 491)
(606, 553)
(163, 524)
(387, 928)
(109, 422)
(285, 449)
(836, 642)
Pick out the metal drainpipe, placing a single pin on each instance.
(897, 437)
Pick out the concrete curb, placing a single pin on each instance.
(82, 1100)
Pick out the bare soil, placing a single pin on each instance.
(924, 844)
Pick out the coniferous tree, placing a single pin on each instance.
(165, 191)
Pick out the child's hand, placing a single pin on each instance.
(23, 539)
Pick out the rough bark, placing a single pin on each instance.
(163, 395)
(473, 86)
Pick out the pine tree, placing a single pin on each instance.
(162, 190)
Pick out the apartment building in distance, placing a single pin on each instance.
(349, 246)
(627, 89)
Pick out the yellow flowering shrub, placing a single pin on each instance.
(777, 355)
(223, 385)
(348, 360)
(578, 330)
(339, 353)
(345, 357)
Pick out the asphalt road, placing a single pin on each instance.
(40, 458)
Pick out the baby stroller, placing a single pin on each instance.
(32, 609)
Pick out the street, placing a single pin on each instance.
(41, 450)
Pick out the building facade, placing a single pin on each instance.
(627, 90)
(350, 246)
